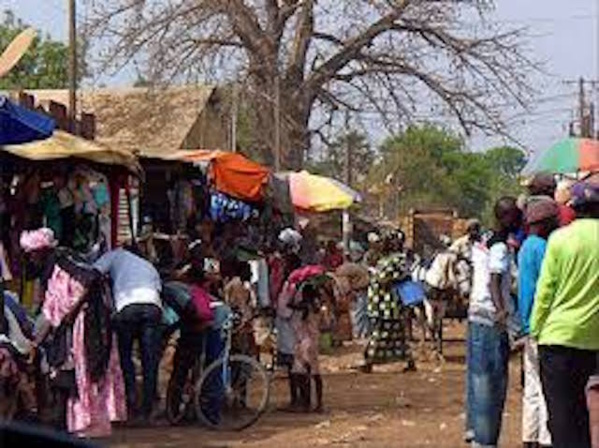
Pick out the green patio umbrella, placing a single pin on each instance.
(568, 156)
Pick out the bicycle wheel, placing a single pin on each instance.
(232, 393)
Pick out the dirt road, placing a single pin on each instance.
(387, 408)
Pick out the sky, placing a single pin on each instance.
(564, 35)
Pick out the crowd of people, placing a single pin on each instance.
(93, 312)
(555, 241)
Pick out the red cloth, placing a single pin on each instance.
(302, 274)
(333, 260)
(232, 173)
(201, 303)
(566, 215)
(276, 266)
(239, 177)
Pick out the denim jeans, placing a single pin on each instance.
(488, 357)
(140, 322)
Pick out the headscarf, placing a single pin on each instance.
(34, 240)
(584, 193)
(291, 238)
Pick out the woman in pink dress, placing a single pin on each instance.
(98, 397)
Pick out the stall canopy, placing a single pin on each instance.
(62, 145)
(21, 125)
(318, 193)
(232, 173)
(569, 156)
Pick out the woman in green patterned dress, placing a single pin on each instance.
(387, 315)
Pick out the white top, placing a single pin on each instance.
(486, 261)
(138, 296)
(134, 280)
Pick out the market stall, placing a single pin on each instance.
(17, 125)
(203, 195)
(66, 183)
(319, 194)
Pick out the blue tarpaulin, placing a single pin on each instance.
(20, 125)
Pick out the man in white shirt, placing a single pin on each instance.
(136, 290)
(488, 343)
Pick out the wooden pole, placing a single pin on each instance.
(72, 64)
(581, 114)
(277, 124)
(346, 219)
(234, 114)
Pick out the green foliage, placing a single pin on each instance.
(430, 167)
(333, 162)
(44, 66)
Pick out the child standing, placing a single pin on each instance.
(306, 326)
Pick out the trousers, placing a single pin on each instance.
(488, 356)
(565, 373)
(140, 322)
(534, 409)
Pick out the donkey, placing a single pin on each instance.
(447, 279)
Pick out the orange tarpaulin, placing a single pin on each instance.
(232, 173)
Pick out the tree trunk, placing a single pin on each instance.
(294, 132)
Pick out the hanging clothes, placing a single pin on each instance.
(224, 208)
(51, 207)
(260, 278)
(5, 271)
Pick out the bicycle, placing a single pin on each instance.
(232, 393)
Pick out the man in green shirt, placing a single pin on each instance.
(565, 319)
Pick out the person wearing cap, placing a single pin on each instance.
(565, 319)
(544, 184)
(541, 219)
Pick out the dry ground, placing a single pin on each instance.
(387, 408)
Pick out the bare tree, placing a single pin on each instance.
(401, 59)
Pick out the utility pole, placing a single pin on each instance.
(591, 121)
(346, 217)
(348, 152)
(72, 65)
(581, 107)
(234, 114)
(277, 124)
(585, 112)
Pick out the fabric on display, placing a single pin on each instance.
(260, 278)
(224, 208)
(5, 272)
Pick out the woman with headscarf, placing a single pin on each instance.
(387, 315)
(84, 364)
